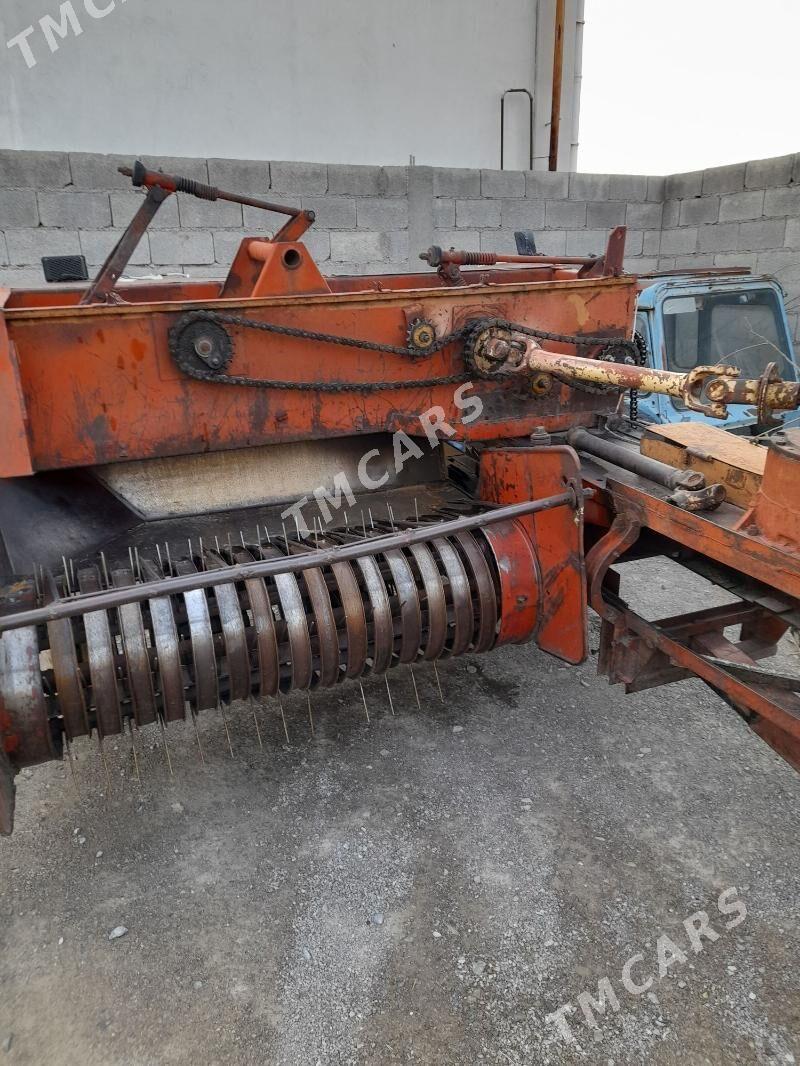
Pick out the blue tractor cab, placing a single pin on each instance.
(706, 317)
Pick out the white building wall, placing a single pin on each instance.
(351, 81)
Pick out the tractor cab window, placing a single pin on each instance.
(743, 329)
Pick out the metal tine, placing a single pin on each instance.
(216, 541)
(133, 749)
(138, 571)
(160, 560)
(438, 682)
(310, 715)
(389, 693)
(269, 539)
(166, 745)
(66, 575)
(241, 537)
(297, 527)
(414, 683)
(391, 515)
(36, 587)
(193, 716)
(285, 537)
(230, 545)
(73, 773)
(191, 552)
(416, 509)
(133, 564)
(283, 719)
(364, 524)
(221, 708)
(255, 719)
(202, 555)
(105, 762)
(364, 698)
(169, 560)
(72, 573)
(371, 519)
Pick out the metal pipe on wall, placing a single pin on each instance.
(558, 68)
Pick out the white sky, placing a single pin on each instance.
(677, 85)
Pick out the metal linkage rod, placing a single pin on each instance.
(119, 597)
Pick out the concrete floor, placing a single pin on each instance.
(424, 888)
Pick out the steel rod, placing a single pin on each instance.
(108, 599)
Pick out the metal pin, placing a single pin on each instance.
(255, 719)
(230, 546)
(316, 535)
(391, 515)
(221, 708)
(72, 765)
(389, 693)
(414, 682)
(416, 508)
(241, 537)
(105, 762)
(364, 698)
(269, 539)
(364, 524)
(66, 575)
(283, 719)
(285, 538)
(133, 565)
(297, 527)
(202, 556)
(160, 560)
(166, 745)
(169, 560)
(346, 520)
(438, 682)
(371, 520)
(190, 548)
(310, 715)
(138, 570)
(258, 535)
(72, 573)
(36, 583)
(193, 716)
(133, 749)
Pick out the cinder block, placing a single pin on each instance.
(477, 214)
(204, 214)
(3, 250)
(634, 242)
(587, 242)
(763, 173)
(678, 241)
(215, 272)
(720, 180)
(780, 261)
(605, 215)
(444, 213)
(333, 212)
(552, 242)
(741, 205)
(670, 212)
(318, 243)
(502, 183)
(181, 246)
(546, 185)
(358, 247)
(21, 277)
(627, 187)
(498, 240)
(124, 206)
(96, 244)
(784, 201)
(651, 242)
(34, 170)
(699, 209)
(644, 216)
(226, 245)
(458, 182)
(349, 180)
(299, 178)
(736, 259)
(250, 177)
(394, 181)
(27, 246)
(642, 265)
(397, 246)
(565, 214)
(178, 165)
(655, 189)
(257, 221)
(589, 186)
(382, 214)
(75, 210)
(18, 209)
(796, 169)
(522, 214)
(762, 234)
(693, 262)
(722, 237)
(792, 238)
(90, 170)
(463, 240)
(680, 186)
(666, 263)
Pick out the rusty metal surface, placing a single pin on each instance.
(101, 656)
(167, 645)
(134, 645)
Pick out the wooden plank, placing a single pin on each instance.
(725, 458)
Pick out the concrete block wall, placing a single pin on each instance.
(373, 219)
